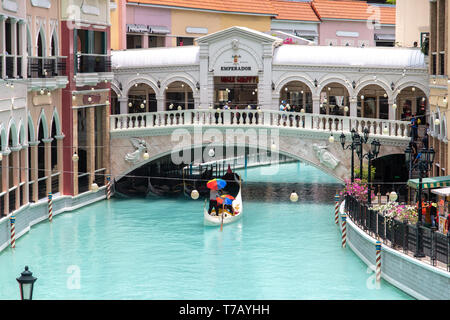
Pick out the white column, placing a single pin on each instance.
(3, 43)
(392, 111)
(23, 47)
(14, 45)
(203, 80)
(123, 105)
(316, 105)
(160, 103)
(353, 107)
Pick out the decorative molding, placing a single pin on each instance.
(10, 5)
(91, 7)
(46, 4)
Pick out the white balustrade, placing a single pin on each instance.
(280, 119)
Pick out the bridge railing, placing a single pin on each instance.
(266, 118)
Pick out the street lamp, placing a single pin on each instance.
(372, 154)
(361, 141)
(26, 284)
(351, 146)
(425, 160)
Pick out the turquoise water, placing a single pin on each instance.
(159, 249)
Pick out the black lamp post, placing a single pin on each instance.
(352, 146)
(372, 154)
(26, 284)
(362, 140)
(424, 163)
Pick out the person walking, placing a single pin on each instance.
(425, 139)
(413, 124)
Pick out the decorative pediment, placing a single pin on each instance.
(237, 32)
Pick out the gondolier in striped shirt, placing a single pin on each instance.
(213, 194)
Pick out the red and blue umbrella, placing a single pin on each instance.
(216, 184)
(225, 199)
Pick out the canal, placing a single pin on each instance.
(159, 248)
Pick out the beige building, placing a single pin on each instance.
(439, 85)
(412, 22)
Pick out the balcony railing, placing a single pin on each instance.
(88, 63)
(46, 67)
(9, 61)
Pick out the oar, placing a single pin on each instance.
(223, 210)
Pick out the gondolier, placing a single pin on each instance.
(213, 194)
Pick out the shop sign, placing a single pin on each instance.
(239, 79)
(142, 28)
(137, 28)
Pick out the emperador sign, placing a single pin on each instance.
(235, 63)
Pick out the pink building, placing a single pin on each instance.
(355, 23)
(147, 27)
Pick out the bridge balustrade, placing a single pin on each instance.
(266, 118)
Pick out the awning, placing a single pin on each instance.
(429, 183)
(384, 37)
(158, 29)
(444, 192)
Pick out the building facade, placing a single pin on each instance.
(439, 86)
(51, 53)
(412, 22)
(241, 68)
(85, 99)
(168, 23)
(355, 23)
(157, 23)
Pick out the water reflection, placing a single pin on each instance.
(280, 192)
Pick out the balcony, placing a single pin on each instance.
(46, 67)
(49, 72)
(93, 68)
(89, 63)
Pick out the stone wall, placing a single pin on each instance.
(416, 278)
(33, 213)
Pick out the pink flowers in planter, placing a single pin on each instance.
(394, 210)
(357, 189)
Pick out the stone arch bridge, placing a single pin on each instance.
(302, 136)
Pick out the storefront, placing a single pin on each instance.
(236, 92)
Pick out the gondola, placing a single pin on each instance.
(228, 217)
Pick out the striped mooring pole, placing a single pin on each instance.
(108, 187)
(378, 260)
(344, 230)
(336, 208)
(12, 219)
(50, 209)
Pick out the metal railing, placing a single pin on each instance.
(9, 65)
(281, 119)
(87, 63)
(46, 67)
(399, 235)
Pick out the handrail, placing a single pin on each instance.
(258, 118)
(46, 57)
(93, 54)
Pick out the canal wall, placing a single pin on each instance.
(33, 213)
(416, 278)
